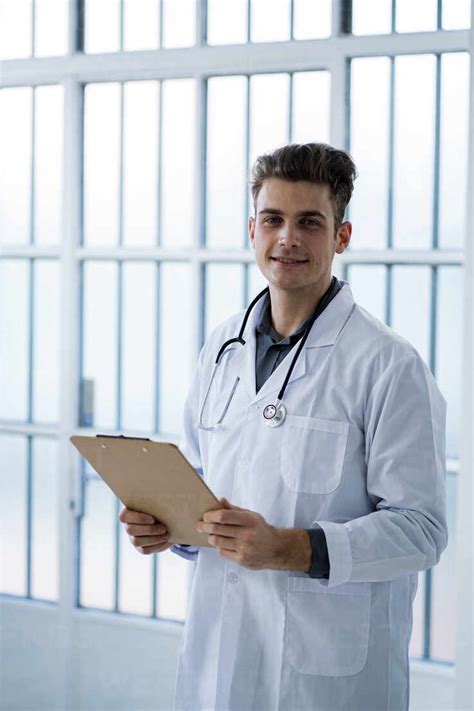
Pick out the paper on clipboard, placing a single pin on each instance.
(153, 478)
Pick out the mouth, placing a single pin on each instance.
(286, 261)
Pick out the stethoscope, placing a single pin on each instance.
(274, 414)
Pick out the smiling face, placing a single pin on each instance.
(294, 236)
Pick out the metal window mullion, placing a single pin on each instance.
(159, 221)
(248, 207)
(118, 421)
(121, 25)
(33, 28)
(249, 21)
(201, 163)
(290, 107)
(388, 294)
(437, 153)
(29, 512)
(391, 156)
(393, 16)
(201, 23)
(31, 337)
(158, 301)
(292, 20)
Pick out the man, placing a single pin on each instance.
(331, 479)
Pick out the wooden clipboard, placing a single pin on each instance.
(153, 478)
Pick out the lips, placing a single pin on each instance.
(285, 260)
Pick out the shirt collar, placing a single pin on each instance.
(265, 327)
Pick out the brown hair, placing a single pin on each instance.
(315, 162)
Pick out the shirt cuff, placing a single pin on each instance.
(184, 551)
(319, 553)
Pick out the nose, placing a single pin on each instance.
(288, 236)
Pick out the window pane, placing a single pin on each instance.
(226, 161)
(172, 588)
(311, 107)
(101, 164)
(411, 301)
(370, 112)
(268, 128)
(415, 17)
(179, 23)
(141, 24)
(14, 343)
(456, 14)
(454, 149)
(312, 20)
(16, 28)
(368, 285)
(371, 18)
(51, 27)
(15, 152)
(138, 346)
(269, 20)
(140, 169)
(135, 578)
(46, 341)
(179, 163)
(45, 520)
(227, 21)
(97, 573)
(100, 342)
(176, 358)
(414, 151)
(224, 293)
(443, 612)
(49, 127)
(449, 350)
(13, 521)
(102, 32)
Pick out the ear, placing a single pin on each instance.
(343, 237)
(252, 230)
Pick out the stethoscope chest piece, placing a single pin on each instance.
(274, 415)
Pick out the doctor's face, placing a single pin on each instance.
(293, 234)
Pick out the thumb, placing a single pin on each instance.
(227, 505)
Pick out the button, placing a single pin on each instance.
(233, 578)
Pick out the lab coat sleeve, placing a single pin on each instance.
(405, 418)
(189, 445)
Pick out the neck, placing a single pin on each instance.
(290, 308)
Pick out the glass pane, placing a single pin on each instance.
(226, 161)
(444, 609)
(45, 520)
(51, 27)
(172, 588)
(456, 14)
(411, 301)
(449, 350)
(141, 24)
(135, 578)
(454, 149)
(312, 20)
(49, 127)
(269, 20)
(13, 521)
(15, 152)
(176, 357)
(140, 168)
(370, 115)
(97, 562)
(178, 163)
(417, 635)
(268, 129)
(414, 151)
(102, 31)
(256, 282)
(16, 29)
(311, 107)
(101, 164)
(179, 23)
(415, 17)
(227, 21)
(46, 341)
(368, 284)
(100, 343)
(14, 343)
(138, 346)
(371, 18)
(224, 293)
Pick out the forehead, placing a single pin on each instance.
(294, 196)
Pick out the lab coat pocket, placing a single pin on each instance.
(312, 454)
(327, 629)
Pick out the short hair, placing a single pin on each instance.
(314, 162)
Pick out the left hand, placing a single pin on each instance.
(241, 535)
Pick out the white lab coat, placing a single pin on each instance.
(361, 453)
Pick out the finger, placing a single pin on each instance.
(220, 529)
(146, 550)
(222, 542)
(149, 540)
(226, 503)
(141, 530)
(229, 516)
(130, 516)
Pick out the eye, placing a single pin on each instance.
(309, 222)
(272, 220)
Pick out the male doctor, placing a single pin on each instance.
(331, 480)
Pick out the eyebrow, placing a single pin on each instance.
(303, 213)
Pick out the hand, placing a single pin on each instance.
(145, 533)
(242, 536)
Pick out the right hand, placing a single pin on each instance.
(146, 533)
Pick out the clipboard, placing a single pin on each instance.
(153, 478)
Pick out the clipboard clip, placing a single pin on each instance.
(143, 439)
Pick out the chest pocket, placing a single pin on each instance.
(312, 454)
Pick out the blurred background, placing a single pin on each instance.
(127, 129)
